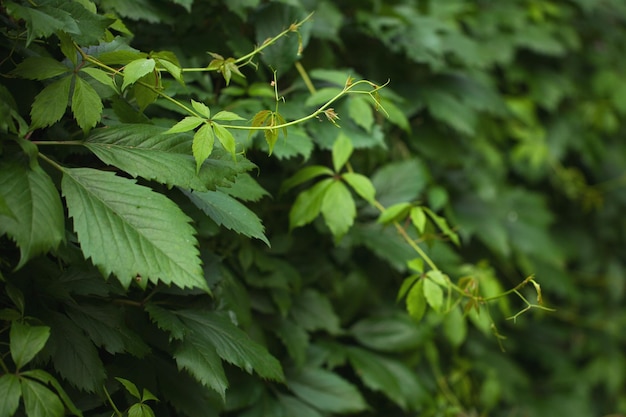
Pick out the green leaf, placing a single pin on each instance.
(185, 125)
(91, 27)
(416, 264)
(10, 392)
(40, 68)
(245, 188)
(373, 371)
(225, 137)
(439, 277)
(102, 77)
(416, 301)
(395, 213)
(50, 104)
(326, 391)
(295, 339)
(37, 224)
(227, 116)
(443, 225)
(418, 218)
(130, 387)
(231, 343)
(142, 91)
(39, 401)
(361, 112)
(140, 410)
(338, 209)
(26, 341)
(322, 96)
(86, 104)
(228, 212)
(304, 175)
(136, 69)
(313, 311)
(202, 145)
(201, 108)
(294, 407)
(41, 22)
(308, 204)
(342, 149)
(361, 185)
(203, 363)
(144, 150)
(173, 68)
(388, 333)
(166, 320)
(455, 327)
(400, 182)
(47, 379)
(433, 294)
(131, 231)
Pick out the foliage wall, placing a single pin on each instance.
(388, 208)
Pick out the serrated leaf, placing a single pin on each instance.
(100, 76)
(203, 363)
(225, 137)
(144, 150)
(361, 112)
(361, 185)
(418, 218)
(342, 149)
(295, 339)
(166, 320)
(416, 301)
(86, 104)
(388, 333)
(50, 104)
(130, 387)
(26, 341)
(41, 22)
(40, 68)
(271, 137)
(433, 294)
(141, 91)
(47, 379)
(201, 108)
(90, 25)
(10, 392)
(231, 343)
(394, 213)
(305, 174)
(308, 204)
(227, 116)
(202, 145)
(245, 188)
(131, 231)
(136, 69)
(38, 224)
(228, 212)
(313, 311)
(326, 391)
(294, 407)
(338, 209)
(185, 125)
(39, 401)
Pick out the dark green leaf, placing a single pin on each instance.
(50, 104)
(10, 392)
(202, 362)
(400, 182)
(294, 407)
(360, 111)
(313, 311)
(304, 175)
(166, 320)
(131, 231)
(389, 333)
(130, 387)
(86, 104)
(40, 68)
(295, 339)
(245, 188)
(43, 21)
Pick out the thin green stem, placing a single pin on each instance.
(305, 77)
(58, 142)
(51, 162)
(117, 411)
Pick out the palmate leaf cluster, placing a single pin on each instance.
(169, 248)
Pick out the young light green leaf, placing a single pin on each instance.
(338, 209)
(443, 225)
(418, 218)
(37, 224)
(50, 104)
(228, 212)
(185, 125)
(137, 69)
(416, 264)
(439, 277)
(227, 116)
(202, 146)
(326, 391)
(455, 327)
(131, 231)
(416, 301)
(145, 92)
(433, 294)
(225, 137)
(26, 341)
(203, 363)
(361, 185)
(395, 213)
(39, 401)
(342, 149)
(271, 137)
(47, 379)
(231, 343)
(361, 112)
(201, 108)
(130, 387)
(10, 392)
(308, 204)
(40, 68)
(173, 69)
(86, 104)
(407, 284)
(140, 410)
(100, 76)
(304, 175)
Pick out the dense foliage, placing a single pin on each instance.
(237, 208)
